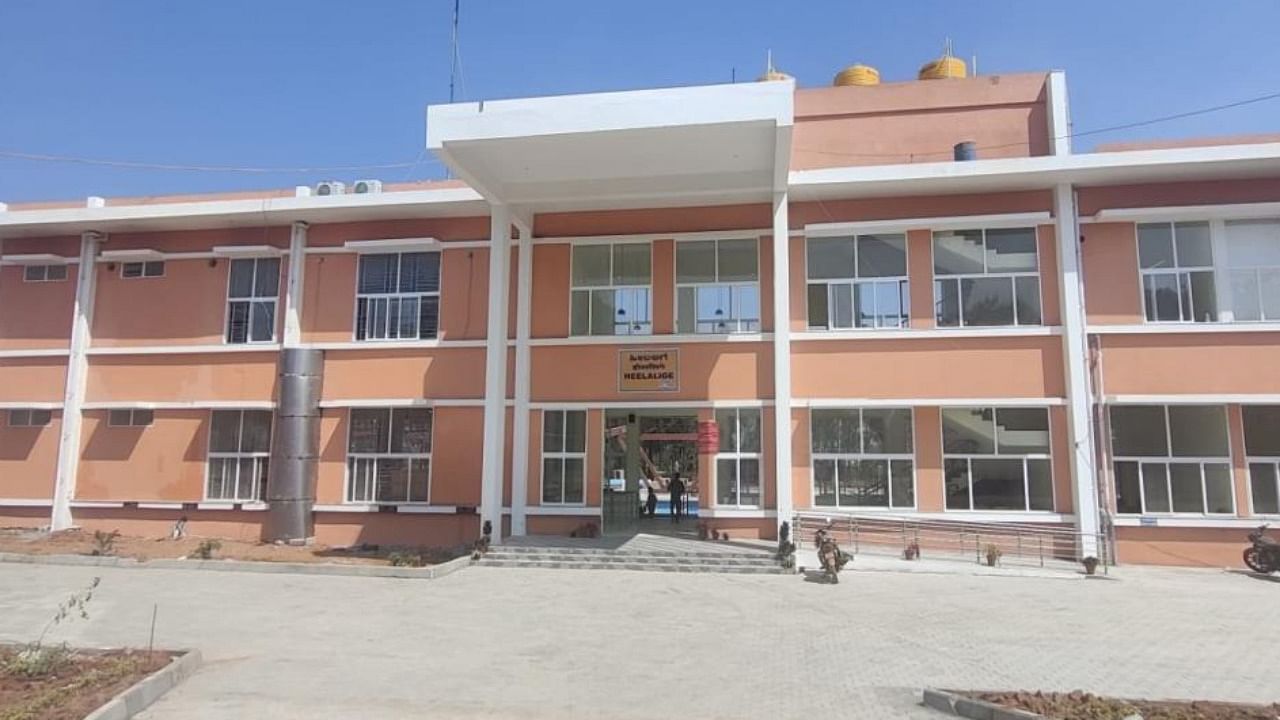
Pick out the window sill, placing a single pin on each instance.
(973, 516)
(927, 333)
(1191, 521)
(649, 339)
(1184, 328)
(391, 344)
(404, 508)
(183, 349)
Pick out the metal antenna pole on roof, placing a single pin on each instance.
(453, 50)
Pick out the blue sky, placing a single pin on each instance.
(309, 83)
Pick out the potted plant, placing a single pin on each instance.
(993, 554)
(1090, 565)
(911, 551)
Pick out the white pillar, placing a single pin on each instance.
(495, 370)
(64, 487)
(520, 422)
(1075, 364)
(297, 271)
(1059, 114)
(782, 357)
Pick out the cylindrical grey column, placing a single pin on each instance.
(295, 447)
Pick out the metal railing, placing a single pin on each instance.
(1011, 543)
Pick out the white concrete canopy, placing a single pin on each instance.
(701, 145)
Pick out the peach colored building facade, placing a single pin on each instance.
(1035, 336)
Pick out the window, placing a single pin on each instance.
(130, 418)
(251, 300)
(717, 286)
(389, 455)
(22, 417)
(986, 277)
(858, 282)
(134, 270)
(44, 273)
(738, 459)
(863, 458)
(398, 296)
(1262, 448)
(609, 292)
(1253, 269)
(1176, 261)
(997, 459)
(564, 456)
(1173, 459)
(239, 449)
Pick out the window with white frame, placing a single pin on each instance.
(717, 286)
(389, 455)
(1253, 269)
(1171, 459)
(986, 277)
(1262, 448)
(997, 458)
(252, 292)
(858, 282)
(1176, 261)
(130, 418)
(564, 457)
(44, 273)
(239, 450)
(136, 270)
(738, 458)
(610, 289)
(29, 417)
(862, 457)
(398, 296)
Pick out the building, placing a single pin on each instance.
(1034, 335)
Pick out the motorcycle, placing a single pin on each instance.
(1263, 555)
(831, 557)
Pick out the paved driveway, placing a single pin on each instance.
(505, 643)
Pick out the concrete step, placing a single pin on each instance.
(632, 558)
(589, 551)
(595, 564)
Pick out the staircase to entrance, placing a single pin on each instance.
(657, 552)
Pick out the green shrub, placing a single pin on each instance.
(104, 543)
(206, 549)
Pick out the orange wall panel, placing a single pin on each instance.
(163, 461)
(930, 481)
(920, 206)
(1159, 364)
(197, 240)
(920, 278)
(722, 371)
(32, 379)
(1199, 192)
(1060, 451)
(177, 378)
(329, 298)
(29, 458)
(654, 221)
(1109, 264)
(1239, 460)
(456, 455)
(35, 315)
(1047, 248)
(551, 290)
(331, 472)
(929, 368)
(765, 245)
(396, 529)
(801, 460)
(402, 373)
(444, 229)
(187, 306)
(798, 265)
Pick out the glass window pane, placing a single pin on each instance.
(262, 322)
(634, 316)
(987, 301)
(1155, 245)
(864, 304)
(1218, 489)
(739, 260)
(1246, 303)
(696, 261)
(1128, 490)
(749, 481)
(238, 322)
(378, 273)
(886, 430)
(369, 432)
(946, 299)
(892, 303)
(580, 313)
(957, 252)
(411, 430)
(1138, 430)
(727, 481)
(590, 265)
(1022, 431)
(1263, 489)
(1191, 241)
(224, 433)
(727, 423)
(131, 270)
(574, 487)
(420, 272)
(41, 418)
(749, 430)
(1160, 295)
(266, 283)
(686, 310)
(1269, 291)
(604, 316)
(153, 268)
(1028, 290)
(864, 483)
(393, 317)
(392, 480)
(217, 485)
(968, 431)
(1204, 300)
(34, 273)
(359, 474)
(552, 480)
(830, 258)
(882, 256)
(1039, 485)
(1011, 250)
(1253, 243)
(255, 437)
(824, 482)
(241, 284)
(419, 479)
(746, 307)
(245, 477)
(713, 309)
(1155, 487)
(1188, 495)
(428, 317)
(631, 264)
(553, 430)
(835, 431)
(902, 478)
(957, 484)
(1262, 430)
(142, 418)
(998, 484)
(1198, 430)
(575, 431)
(817, 305)
(841, 303)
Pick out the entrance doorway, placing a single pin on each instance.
(644, 450)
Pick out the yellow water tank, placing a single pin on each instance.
(857, 75)
(944, 68)
(771, 74)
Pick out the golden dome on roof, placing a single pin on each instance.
(857, 74)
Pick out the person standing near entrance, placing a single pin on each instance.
(676, 486)
(651, 502)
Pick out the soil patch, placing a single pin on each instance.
(76, 542)
(1085, 706)
(78, 686)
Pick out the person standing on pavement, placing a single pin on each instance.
(676, 487)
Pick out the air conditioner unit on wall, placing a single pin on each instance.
(365, 187)
(331, 187)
